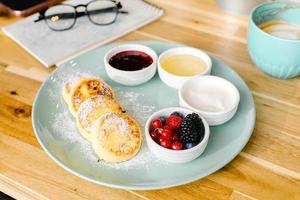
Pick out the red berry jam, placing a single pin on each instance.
(130, 60)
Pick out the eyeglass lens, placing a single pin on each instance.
(62, 17)
(102, 12)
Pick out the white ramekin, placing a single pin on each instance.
(216, 84)
(175, 81)
(175, 156)
(130, 78)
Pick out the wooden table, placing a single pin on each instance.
(267, 168)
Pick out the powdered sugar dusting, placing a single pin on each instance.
(64, 126)
(87, 107)
(112, 120)
(131, 102)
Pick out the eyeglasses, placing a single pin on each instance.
(63, 17)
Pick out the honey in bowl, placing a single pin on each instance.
(184, 65)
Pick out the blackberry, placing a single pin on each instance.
(191, 129)
(188, 131)
(199, 125)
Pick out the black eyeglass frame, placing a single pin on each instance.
(77, 14)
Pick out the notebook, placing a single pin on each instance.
(52, 47)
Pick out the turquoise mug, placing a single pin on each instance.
(275, 56)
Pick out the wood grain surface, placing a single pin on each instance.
(267, 168)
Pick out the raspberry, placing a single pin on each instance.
(174, 122)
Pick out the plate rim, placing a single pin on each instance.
(141, 187)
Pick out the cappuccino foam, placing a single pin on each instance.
(282, 29)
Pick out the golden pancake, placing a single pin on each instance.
(85, 89)
(68, 86)
(116, 137)
(66, 91)
(91, 109)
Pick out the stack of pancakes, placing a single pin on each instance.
(115, 136)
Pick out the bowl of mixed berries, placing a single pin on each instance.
(177, 134)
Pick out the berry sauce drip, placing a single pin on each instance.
(130, 60)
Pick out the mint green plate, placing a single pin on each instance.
(56, 130)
